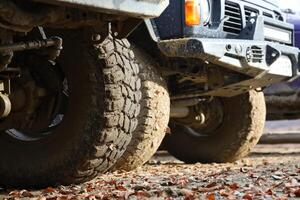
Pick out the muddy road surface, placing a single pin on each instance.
(270, 172)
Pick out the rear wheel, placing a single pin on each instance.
(232, 127)
(154, 116)
(95, 123)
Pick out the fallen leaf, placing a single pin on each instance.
(112, 182)
(269, 192)
(141, 194)
(224, 193)
(210, 189)
(49, 190)
(211, 185)
(182, 182)
(210, 196)
(248, 196)
(188, 194)
(62, 198)
(121, 188)
(234, 186)
(14, 193)
(297, 192)
(25, 193)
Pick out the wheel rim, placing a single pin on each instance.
(61, 105)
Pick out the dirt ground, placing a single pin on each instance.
(270, 172)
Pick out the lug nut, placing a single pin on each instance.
(200, 118)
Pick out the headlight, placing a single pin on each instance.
(195, 11)
(205, 11)
(277, 34)
(192, 12)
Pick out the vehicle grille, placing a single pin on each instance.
(257, 54)
(248, 12)
(234, 23)
(267, 15)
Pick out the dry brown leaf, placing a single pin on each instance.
(25, 193)
(14, 193)
(121, 188)
(248, 197)
(62, 198)
(224, 193)
(210, 196)
(233, 186)
(211, 185)
(49, 190)
(297, 192)
(269, 192)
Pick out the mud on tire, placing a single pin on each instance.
(96, 128)
(154, 116)
(240, 130)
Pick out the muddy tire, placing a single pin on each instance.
(154, 116)
(101, 115)
(240, 130)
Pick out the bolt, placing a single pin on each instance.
(115, 34)
(248, 57)
(238, 49)
(228, 47)
(96, 37)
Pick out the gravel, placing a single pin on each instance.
(271, 172)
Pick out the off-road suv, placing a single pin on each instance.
(216, 56)
(69, 87)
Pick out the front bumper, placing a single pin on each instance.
(252, 58)
(265, 62)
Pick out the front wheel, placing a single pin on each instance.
(101, 103)
(234, 127)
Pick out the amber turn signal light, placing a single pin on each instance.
(192, 12)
